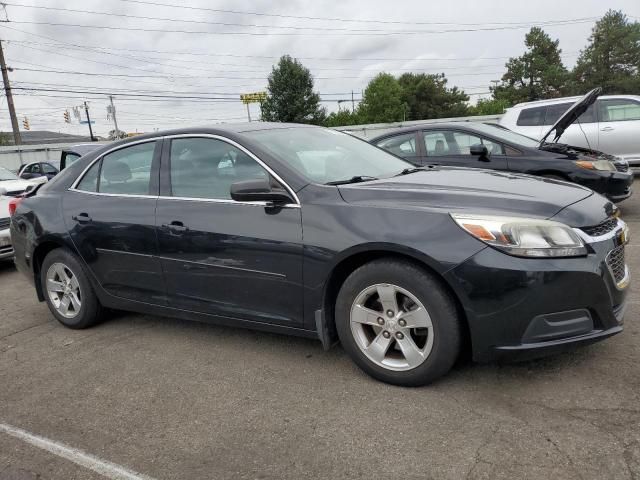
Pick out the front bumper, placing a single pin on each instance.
(616, 186)
(521, 308)
(6, 249)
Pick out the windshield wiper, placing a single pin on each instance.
(407, 171)
(355, 179)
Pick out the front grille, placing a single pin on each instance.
(6, 250)
(622, 167)
(602, 228)
(4, 223)
(615, 262)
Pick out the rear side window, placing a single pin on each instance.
(127, 171)
(48, 168)
(89, 182)
(554, 112)
(400, 145)
(531, 117)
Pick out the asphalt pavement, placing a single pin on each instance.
(169, 399)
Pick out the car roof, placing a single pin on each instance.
(429, 126)
(555, 101)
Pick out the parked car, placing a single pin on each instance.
(37, 169)
(480, 145)
(308, 231)
(6, 250)
(69, 155)
(13, 185)
(610, 125)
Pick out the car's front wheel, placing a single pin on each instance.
(67, 290)
(398, 323)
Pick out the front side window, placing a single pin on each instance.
(127, 171)
(531, 117)
(46, 168)
(619, 110)
(437, 144)
(206, 168)
(400, 145)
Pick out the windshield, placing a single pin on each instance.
(7, 175)
(506, 135)
(324, 155)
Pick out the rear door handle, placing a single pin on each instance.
(606, 129)
(175, 226)
(82, 218)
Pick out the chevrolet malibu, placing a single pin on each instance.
(311, 232)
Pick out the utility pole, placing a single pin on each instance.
(248, 112)
(7, 89)
(86, 110)
(113, 113)
(353, 103)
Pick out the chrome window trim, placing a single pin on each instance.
(119, 147)
(243, 149)
(189, 199)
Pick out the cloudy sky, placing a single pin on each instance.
(145, 53)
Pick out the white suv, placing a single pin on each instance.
(611, 124)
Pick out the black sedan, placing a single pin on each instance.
(311, 232)
(480, 145)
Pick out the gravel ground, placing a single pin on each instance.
(180, 400)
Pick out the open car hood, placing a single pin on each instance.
(572, 115)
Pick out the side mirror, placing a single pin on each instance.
(257, 190)
(479, 149)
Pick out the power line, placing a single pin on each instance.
(299, 17)
(299, 28)
(261, 34)
(265, 57)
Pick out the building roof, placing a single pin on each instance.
(34, 137)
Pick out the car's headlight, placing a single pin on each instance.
(523, 237)
(604, 165)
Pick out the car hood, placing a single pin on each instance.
(477, 191)
(572, 114)
(20, 185)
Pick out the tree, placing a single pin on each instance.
(427, 96)
(489, 106)
(342, 118)
(611, 59)
(537, 74)
(113, 135)
(382, 100)
(5, 139)
(290, 95)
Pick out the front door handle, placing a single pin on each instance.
(176, 226)
(82, 218)
(606, 129)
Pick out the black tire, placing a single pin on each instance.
(429, 291)
(90, 311)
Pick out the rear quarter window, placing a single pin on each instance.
(531, 117)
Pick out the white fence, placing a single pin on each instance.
(12, 157)
(375, 129)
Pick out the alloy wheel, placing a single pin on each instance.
(64, 290)
(391, 327)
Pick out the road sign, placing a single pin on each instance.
(256, 97)
(84, 122)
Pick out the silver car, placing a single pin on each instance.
(610, 125)
(6, 250)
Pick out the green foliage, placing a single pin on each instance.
(342, 118)
(537, 74)
(489, 106)
(427, 96)
(611, 59)
(382, 100)
(290, 95)
(5, 139)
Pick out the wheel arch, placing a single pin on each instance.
(354, 258)
(39, 253)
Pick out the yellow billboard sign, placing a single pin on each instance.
(256, 97)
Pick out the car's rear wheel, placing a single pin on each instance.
(67, 290)
(398, 323)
